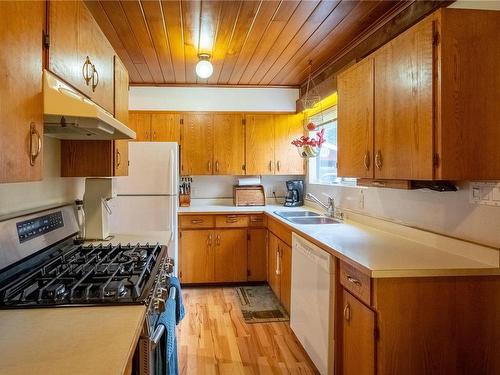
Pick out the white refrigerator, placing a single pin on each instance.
(146, 200)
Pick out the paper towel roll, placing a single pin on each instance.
(247, 181)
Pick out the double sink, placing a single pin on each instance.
(306, 217)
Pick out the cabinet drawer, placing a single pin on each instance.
(196, 221)
(356, 282)
(283, 232)
(231, 221)
(258, 220)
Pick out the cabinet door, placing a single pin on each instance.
(196, 256)
(121, 91)
(197, 144)
(404, 106)
(286, 275)
(257, 254)
(166, 127)
(273, 264)
(355, 121)
(120, 158)
(21, 108)
(93, 43)
(64, 60)
(140, 122)
(286, 129)
(231, 255)
(358, 335)
(229, 144)
(259, 144)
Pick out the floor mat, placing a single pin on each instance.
(258, 304)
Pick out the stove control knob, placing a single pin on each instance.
(159, 304)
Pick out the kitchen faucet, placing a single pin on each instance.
(330, 208)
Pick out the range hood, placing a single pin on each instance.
(70, 115)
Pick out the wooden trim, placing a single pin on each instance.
(149, 111)
(152, 84)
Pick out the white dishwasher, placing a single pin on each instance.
(312, 299)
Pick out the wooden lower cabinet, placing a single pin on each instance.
(257, 254)
(279, 274)
(230, 255)
(358, 334)
(197, 256)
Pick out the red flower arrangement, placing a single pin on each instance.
(309, 147)
(308, 141)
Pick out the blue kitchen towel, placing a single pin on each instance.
(179, 311)
(168, 348)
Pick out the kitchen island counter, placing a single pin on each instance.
(69, 340)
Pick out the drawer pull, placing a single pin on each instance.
(347, 312)
(231, 216)
(256, 220)
(196, 221)
(231, 220)
(353, 280)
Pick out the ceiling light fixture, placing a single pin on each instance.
(204, 68)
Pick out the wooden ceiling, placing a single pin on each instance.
(265, 43)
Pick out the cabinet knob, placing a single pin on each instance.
(367, 161)
(36, 144)
(347, 312)
(378, 159)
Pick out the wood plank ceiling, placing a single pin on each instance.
(264, 43)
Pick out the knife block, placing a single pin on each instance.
(184, 200)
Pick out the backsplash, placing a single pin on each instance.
(207, 187)
(52, 190)
(448, 213)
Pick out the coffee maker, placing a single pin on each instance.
(295, 193)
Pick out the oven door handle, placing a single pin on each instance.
(157, 335)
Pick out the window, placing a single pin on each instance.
(323, 168)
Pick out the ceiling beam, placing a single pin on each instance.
(325, 79)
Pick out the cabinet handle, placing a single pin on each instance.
(232, 220)
(256, 220)
(196, 221)
(86, 70)
(209, 240)
(278, 165)
(210, 166)
(378, 159)
(353, 280)
(38, 142)
(347, 312)
(94, 81)
(367, 160)
(217, 241)
(270, 165)
(217, 166)
(147, 135)
(154, 136)
(278, 265)
(118, 158)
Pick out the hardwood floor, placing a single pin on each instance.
(213, 338)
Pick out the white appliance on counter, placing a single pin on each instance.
(146, 200)
(312, 302)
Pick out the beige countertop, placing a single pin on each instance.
(381, 248)
(69, 340)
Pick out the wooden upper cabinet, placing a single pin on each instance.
(358, 337)
(140, 122)
(197, 144)
(404, 105)
(165, 127)
(121, 91)
(287, 127)
(21, 108)
(355, 121)
(79, 52)
(229, 144)
(64, 59)
(259, 144)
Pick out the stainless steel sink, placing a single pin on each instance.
(313, 220)
(288, 214)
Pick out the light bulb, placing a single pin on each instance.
(204, 68)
